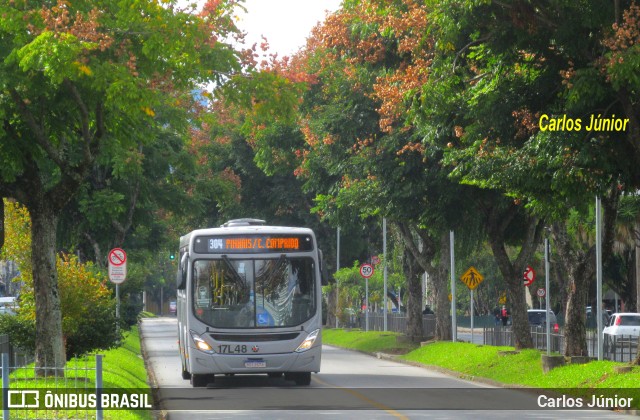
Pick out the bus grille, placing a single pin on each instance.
(255, 337)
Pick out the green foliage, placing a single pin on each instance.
(88, 310)
(351, 286)
(21, 331)
(96, 87)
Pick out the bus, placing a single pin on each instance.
(249, 302)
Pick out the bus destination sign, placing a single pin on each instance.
(239, 244)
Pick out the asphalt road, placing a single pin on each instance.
(350, 385)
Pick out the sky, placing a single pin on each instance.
(285, 23)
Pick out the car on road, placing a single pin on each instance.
(625, 323)
(621, 329)
(538, 318)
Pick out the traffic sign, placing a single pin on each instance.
(117, 256)
(375, 260)
(472, 278)
(366, 270)
(529, 276)
(503, 298)
(541, 292)
(117, 265)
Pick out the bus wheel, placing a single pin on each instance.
(302, 378)
(199, 381)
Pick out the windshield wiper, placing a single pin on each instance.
(243, 284)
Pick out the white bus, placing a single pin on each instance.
(249, 301)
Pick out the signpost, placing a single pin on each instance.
(472, 278)
(117, 274)
(366, 271)
(117, 266)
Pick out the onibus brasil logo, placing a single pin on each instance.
(74, 399)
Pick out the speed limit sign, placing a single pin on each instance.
(366, 270)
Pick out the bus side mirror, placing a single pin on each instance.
(181, 278)
(324, 273)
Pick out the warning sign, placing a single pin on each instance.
(472, 278)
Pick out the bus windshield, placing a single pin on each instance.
(260, 293)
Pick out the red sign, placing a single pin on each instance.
(375, 260)
(541, 293)
(529, 276)
(117, 265)
(366, 270)
(117, 256)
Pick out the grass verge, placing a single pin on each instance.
(523, 368)
(122, 368)
(371, 341)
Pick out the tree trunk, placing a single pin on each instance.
(440, 278)
(50, 352)
(425, 256)
(575, 329)
(637, 283)
(1, 222)
(414, 300)
(517, 305)
(637, 361)
(579, 264)
(512, 272)
(332, 298)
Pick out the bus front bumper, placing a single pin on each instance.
(202, 363)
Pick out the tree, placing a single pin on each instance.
(495, 80)
(88, 321)
(83, 83)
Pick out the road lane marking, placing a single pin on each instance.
(364, 398)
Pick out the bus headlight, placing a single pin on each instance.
(201, 344)
(308, 342)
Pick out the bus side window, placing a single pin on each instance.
(181, 279)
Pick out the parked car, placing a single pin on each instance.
(538, 318)
(625, 323)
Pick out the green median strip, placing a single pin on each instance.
(499, 364)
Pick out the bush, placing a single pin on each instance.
(98, 332)
(21, 332)
(88, 310)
